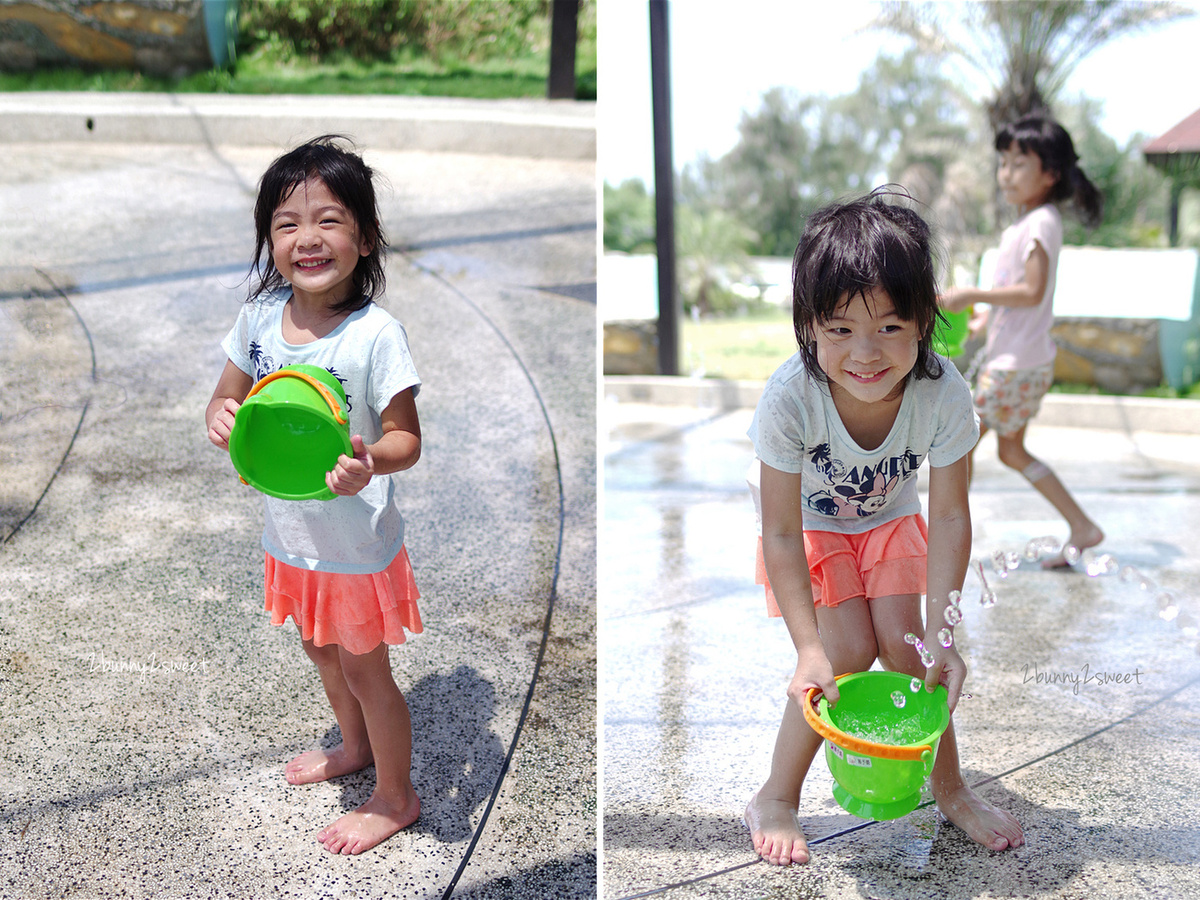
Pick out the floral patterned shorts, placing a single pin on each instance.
(1006, 399)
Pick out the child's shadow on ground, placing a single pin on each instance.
(456, 758)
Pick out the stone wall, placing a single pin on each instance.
(158, 37)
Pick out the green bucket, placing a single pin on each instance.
(879, 753)
(950, 333)
(290, 431)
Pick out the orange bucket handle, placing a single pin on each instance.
(322, 389)
(853, 743)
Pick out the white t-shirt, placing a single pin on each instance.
(1019, 337)
(846, 489)
(368, 353)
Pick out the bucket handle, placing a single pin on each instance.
(322, 389)
(854, 743)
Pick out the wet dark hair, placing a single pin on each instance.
(349, 179)
(850, 249)
(1050, 142)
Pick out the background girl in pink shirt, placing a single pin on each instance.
(1038, 168)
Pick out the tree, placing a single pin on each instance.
(712, 255)
(1026, 49)
(628, 217)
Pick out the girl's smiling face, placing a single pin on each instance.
(865, 349)
(316, 243)
(1026, 185)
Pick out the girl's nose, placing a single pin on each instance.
(865, 348)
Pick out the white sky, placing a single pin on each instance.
(724, 55)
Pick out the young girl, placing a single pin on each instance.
(1038, 167)
(337, 567)
(840, 432)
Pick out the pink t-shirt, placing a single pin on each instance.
(1019, 337)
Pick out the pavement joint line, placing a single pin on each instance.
(553, 593)
(988, 780)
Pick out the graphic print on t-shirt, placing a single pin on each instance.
(264, 365)
(861, 490)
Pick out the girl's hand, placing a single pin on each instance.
(813, 670)
(221, 425)
(955, 299)
(351, 474)
(948, 669)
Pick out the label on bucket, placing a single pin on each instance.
(837, 751)
(863, 761)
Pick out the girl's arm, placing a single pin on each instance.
(787, 570)
(1027, 292)
(231, 391)
(399, 448)
(947, 560)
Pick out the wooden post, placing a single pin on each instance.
(664, 191)
(564, 33)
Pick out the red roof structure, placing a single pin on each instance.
(1177, 152)
(1176, 144)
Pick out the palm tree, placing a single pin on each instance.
(1026, 49)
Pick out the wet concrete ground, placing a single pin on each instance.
(149, 706)
(1101, 773)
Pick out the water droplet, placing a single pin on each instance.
(952, 614)
(1186, 623)
(911, 638)
(1070, 553)
(1168, 613)
(927, 659)
(1033, 549)
(1164, 599)
(1101, 564)
(1129, 575)
(916, 684)
(1012, 560)
(999, 565)
(988, 598)
(946, 637)
(955, 598)
(899, 699)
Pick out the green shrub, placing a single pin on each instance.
(379, 29)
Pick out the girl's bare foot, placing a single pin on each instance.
(374, 821)
(985, 824)
(319, 765)
(775, 830)
(1081, 540)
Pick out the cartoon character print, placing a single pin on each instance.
(863, 490)
(264, 365)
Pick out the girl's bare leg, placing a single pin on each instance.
(394, 804)
(354, 752)
(771, 813)
(893, 617)
(1084, 532)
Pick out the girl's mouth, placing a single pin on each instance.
(311, 265)
(868, 378)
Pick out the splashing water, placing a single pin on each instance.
(955, 598)
(1096, 564)
(927, 659)
(1012, 560)
(916, 684)
(1000, 563)
(911, 638)
(988, 598)
(946, 637)
(899, 699)
(953, 615)
(1070, 553)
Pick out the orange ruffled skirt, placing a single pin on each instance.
(882, 562)
(357, 612)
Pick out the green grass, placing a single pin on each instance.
(743, 348)
(264, 71)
